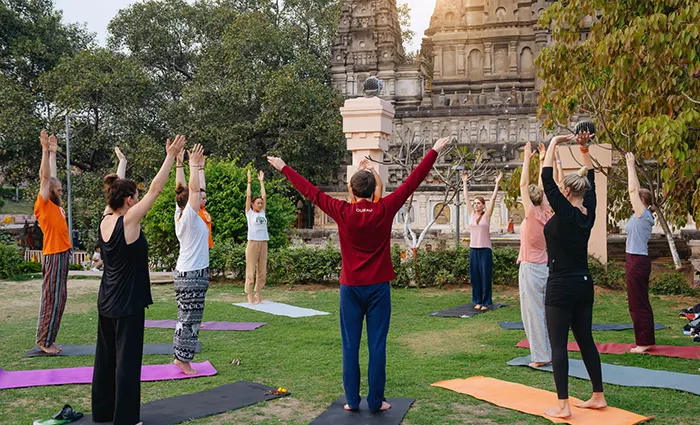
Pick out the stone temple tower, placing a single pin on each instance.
(368, 44)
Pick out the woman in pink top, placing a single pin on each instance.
(480, 254)
(532, 278)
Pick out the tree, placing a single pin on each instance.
(407, 34)
(637, 76)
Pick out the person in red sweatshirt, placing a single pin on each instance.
(364, 229)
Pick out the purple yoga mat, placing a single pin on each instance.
(208, 326)
(83, 375)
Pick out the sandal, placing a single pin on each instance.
(67, 413)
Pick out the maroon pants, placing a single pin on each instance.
(638, 269)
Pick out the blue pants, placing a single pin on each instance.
(481, 275)
(356, 302)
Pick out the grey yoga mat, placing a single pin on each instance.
(175, 410)
(628, 376)
(89, 350)
(337, 415)
(465, 310)
(596, 326)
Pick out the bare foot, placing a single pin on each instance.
(251, 300)
(597, 401)
(561, 411)
(484, 308)
(477, 307)
(347, 407)
(185, 367)
(385, 406)
(640, 349)
(258, 298)
(539, 364)
(51, 349)
(140, 423)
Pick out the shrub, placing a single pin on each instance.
(505, 266)
(75, 267)
(10, 260)
(611, 277)
(2, 203)
(30, 267)
(671, 283)
(304, 265)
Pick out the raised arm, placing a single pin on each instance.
(582, 139)
(558, 168)
(45, 169)
(633, 185)
(133, 216)
(525, 179)
(248, 194)
(543, 154)
(202, 180)
(327, 204)
(263, 194)
(559, 203)
(465, 186)
(53, 148)
(590, 201)
(492, 204)
(180, 170)
(397, 199)
(121, 173)
(196, 158)
(379, 186)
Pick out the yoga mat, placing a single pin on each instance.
(83, 375)
(465, 310)
(89, 350)
(685, 352)
(207, 326)
(627, 376)
(534, 401)
(596, 326)
(337, 415)
(183, 408)
(280, 309)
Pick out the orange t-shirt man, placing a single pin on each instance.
(52, 220)
(207, 220)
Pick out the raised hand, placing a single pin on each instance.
(249, 176)
(53, 144)
(276, 162)
(499, 178)
(441, 143)
(181, 157)
(563, 139)
(543, 151)
(629, 156)
(527, 152)
(44, 139)
(261, 176)
(364, 165)
(173, 149)
(119, 154)
(583, 137)
(196, 155)
(465, 176)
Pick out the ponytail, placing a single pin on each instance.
(116, 190)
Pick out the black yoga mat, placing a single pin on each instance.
(89, 350)
(337, 415)
(596, 326)
(465, 310)
(175, 410)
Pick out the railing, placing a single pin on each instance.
(35, 255)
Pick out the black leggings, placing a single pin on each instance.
(579, 316)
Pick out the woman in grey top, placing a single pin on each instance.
(638, 262)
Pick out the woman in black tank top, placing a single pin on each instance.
(125, 292)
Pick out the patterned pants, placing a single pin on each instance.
(190, 290)
(54, 292)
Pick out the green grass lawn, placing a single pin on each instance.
(24, 206)
(304, 355)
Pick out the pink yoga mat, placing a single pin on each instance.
(685, 352)
(83, 375)
(208, 326)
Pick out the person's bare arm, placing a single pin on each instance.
(379, 186)
(137, 212)
(558, 169)
(582, 139)
(45, 169)
(248, 194)
(492, 204)
(121, 173)
(465, 188)
(180, 170)
(53, 148)
(525, 179)
(263, 194)
(202, 180)
(196, 158)
(633, 186)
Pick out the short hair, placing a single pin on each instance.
(647, 198)
(116, 190)
(53, 181)
(254, 198)
(182, 196)
(363, 184)
(536, 194)
(578, 182)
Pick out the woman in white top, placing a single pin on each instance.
(192, 270)
(256, 250)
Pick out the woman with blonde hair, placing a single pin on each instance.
(569, 293)
(532, 277)
(480, 253)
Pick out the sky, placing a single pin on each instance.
(97, 14)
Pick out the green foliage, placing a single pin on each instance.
(306, 264)
(226, 192)
(671, 283)
(611, 277)
(10, 260)
(2, 203)
(75, 267)
(29, 267)
(505, 266)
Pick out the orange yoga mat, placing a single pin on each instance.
(534, 401)
(682, 351)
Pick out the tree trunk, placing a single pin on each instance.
(669, 238)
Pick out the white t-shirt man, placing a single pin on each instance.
(257, 226)
(193, 235)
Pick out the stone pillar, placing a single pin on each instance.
(367, 124)
(513, 56)
(571, 160)
(460, 60)
(437, 65)
(487, 58)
